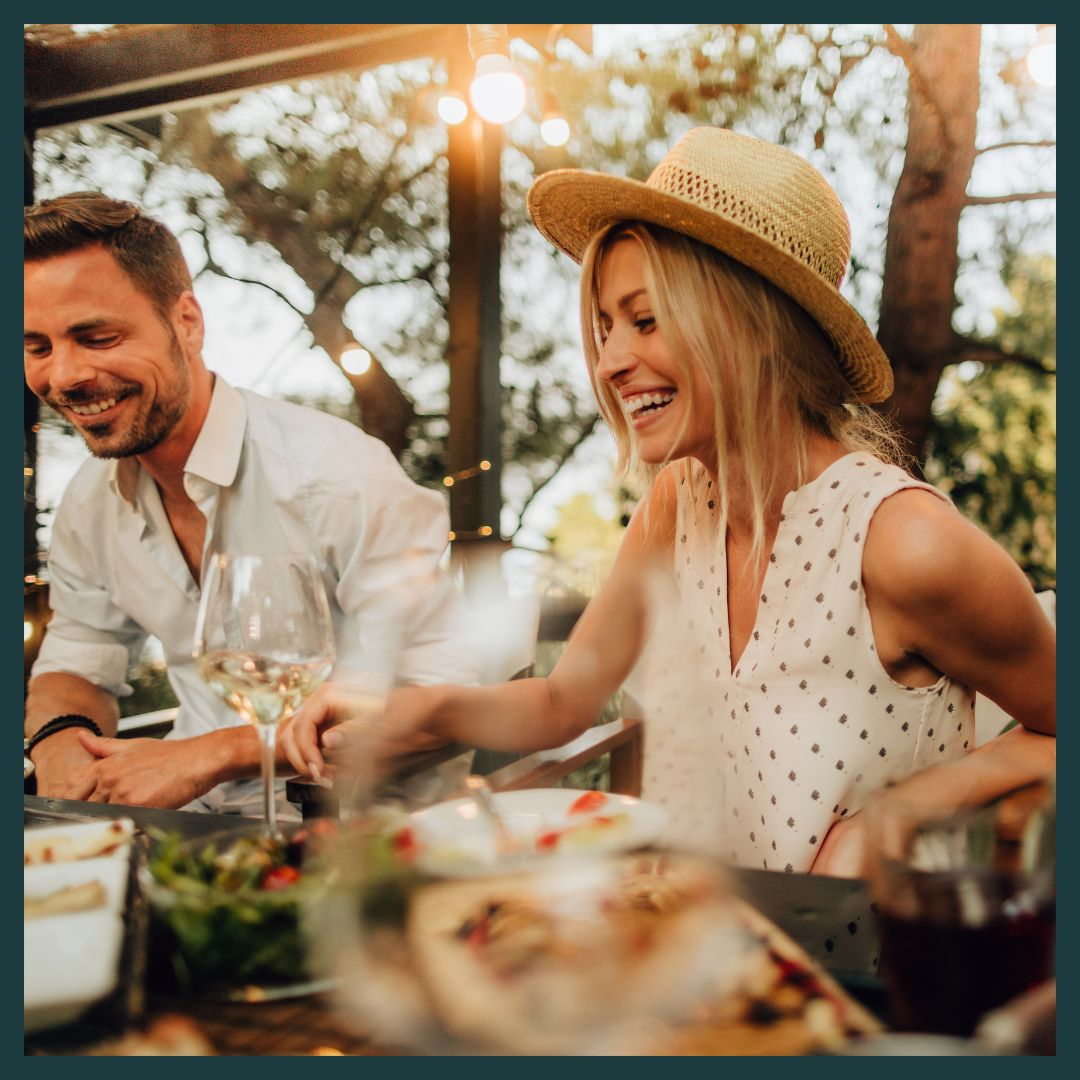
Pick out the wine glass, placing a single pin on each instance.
(264, 641)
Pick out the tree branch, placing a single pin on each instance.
(421, 273)
(560, 460)
(902, 48)
(214, 267)
(1015, 142)
(1020, 196)
(984, 353)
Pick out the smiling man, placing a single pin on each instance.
(184, 464)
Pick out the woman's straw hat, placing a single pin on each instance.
(759, 203)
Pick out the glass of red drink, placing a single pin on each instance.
(965, 905)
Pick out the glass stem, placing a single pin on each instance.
(267, 752)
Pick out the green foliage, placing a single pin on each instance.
(994, 439)
(151, 689)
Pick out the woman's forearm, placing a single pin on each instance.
(1002, 764)
(523, 715)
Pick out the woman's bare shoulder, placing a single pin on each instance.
(921, 553)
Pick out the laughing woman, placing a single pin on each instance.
(801, 621)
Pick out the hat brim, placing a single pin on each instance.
(570, 206)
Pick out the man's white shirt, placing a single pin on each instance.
(270, 477)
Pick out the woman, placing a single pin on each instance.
(802, 621)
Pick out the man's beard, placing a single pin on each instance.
(145, 432)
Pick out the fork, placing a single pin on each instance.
(507, 845)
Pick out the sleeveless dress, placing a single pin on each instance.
(756, 763)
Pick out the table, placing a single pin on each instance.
(829, 917)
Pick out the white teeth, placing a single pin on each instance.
(93, 408)
(640, 401)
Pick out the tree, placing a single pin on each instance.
(921, 261)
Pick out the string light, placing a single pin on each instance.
(471, 534)
(497, 91)
(28, 471)
(452, 108)
(355, 359)
(554, 128)
(466, 474)
(1042, 60)
(27, 630)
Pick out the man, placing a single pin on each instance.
(184, 464)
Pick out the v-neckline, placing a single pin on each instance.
(787, 506)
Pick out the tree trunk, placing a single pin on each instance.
(921, 258)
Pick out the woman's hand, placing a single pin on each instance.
(843, 851)
(336, 718)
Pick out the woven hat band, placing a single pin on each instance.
(814, 231)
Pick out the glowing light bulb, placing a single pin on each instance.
(27, 631)
(356, 360)
(498, 91)
(555, 131)
(452, 108)
(1042, 60)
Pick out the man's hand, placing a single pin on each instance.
(63, 767)
(147, 772)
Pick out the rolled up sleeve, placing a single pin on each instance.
(87, 635)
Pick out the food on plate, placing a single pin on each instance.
(588, 802)
(232, 905)
(168, 1036)
(84, 896)
(650, 948)
(581, 835)
(89, 841)
(451, 839)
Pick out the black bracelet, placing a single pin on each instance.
(59, 723)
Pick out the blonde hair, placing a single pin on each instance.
(772, 372)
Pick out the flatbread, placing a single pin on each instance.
(84, 896)
(79, 842)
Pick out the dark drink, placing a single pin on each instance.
(980, 940)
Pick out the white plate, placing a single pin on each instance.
(79, 840)
(456, 840)
(41, 880)
(69, 962)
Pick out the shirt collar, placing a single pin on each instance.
(216, 453)
(214, 457)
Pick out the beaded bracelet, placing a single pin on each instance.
(60, 723)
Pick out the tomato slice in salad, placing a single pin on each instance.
(586, 803)
(279, 877)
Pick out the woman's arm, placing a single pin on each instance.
(527, 714)
(940, 591)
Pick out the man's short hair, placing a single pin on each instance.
(144, 248)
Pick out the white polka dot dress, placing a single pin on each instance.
(757, 763)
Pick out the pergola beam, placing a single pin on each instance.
(136, 70)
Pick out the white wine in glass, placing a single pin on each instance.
(264, 640)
